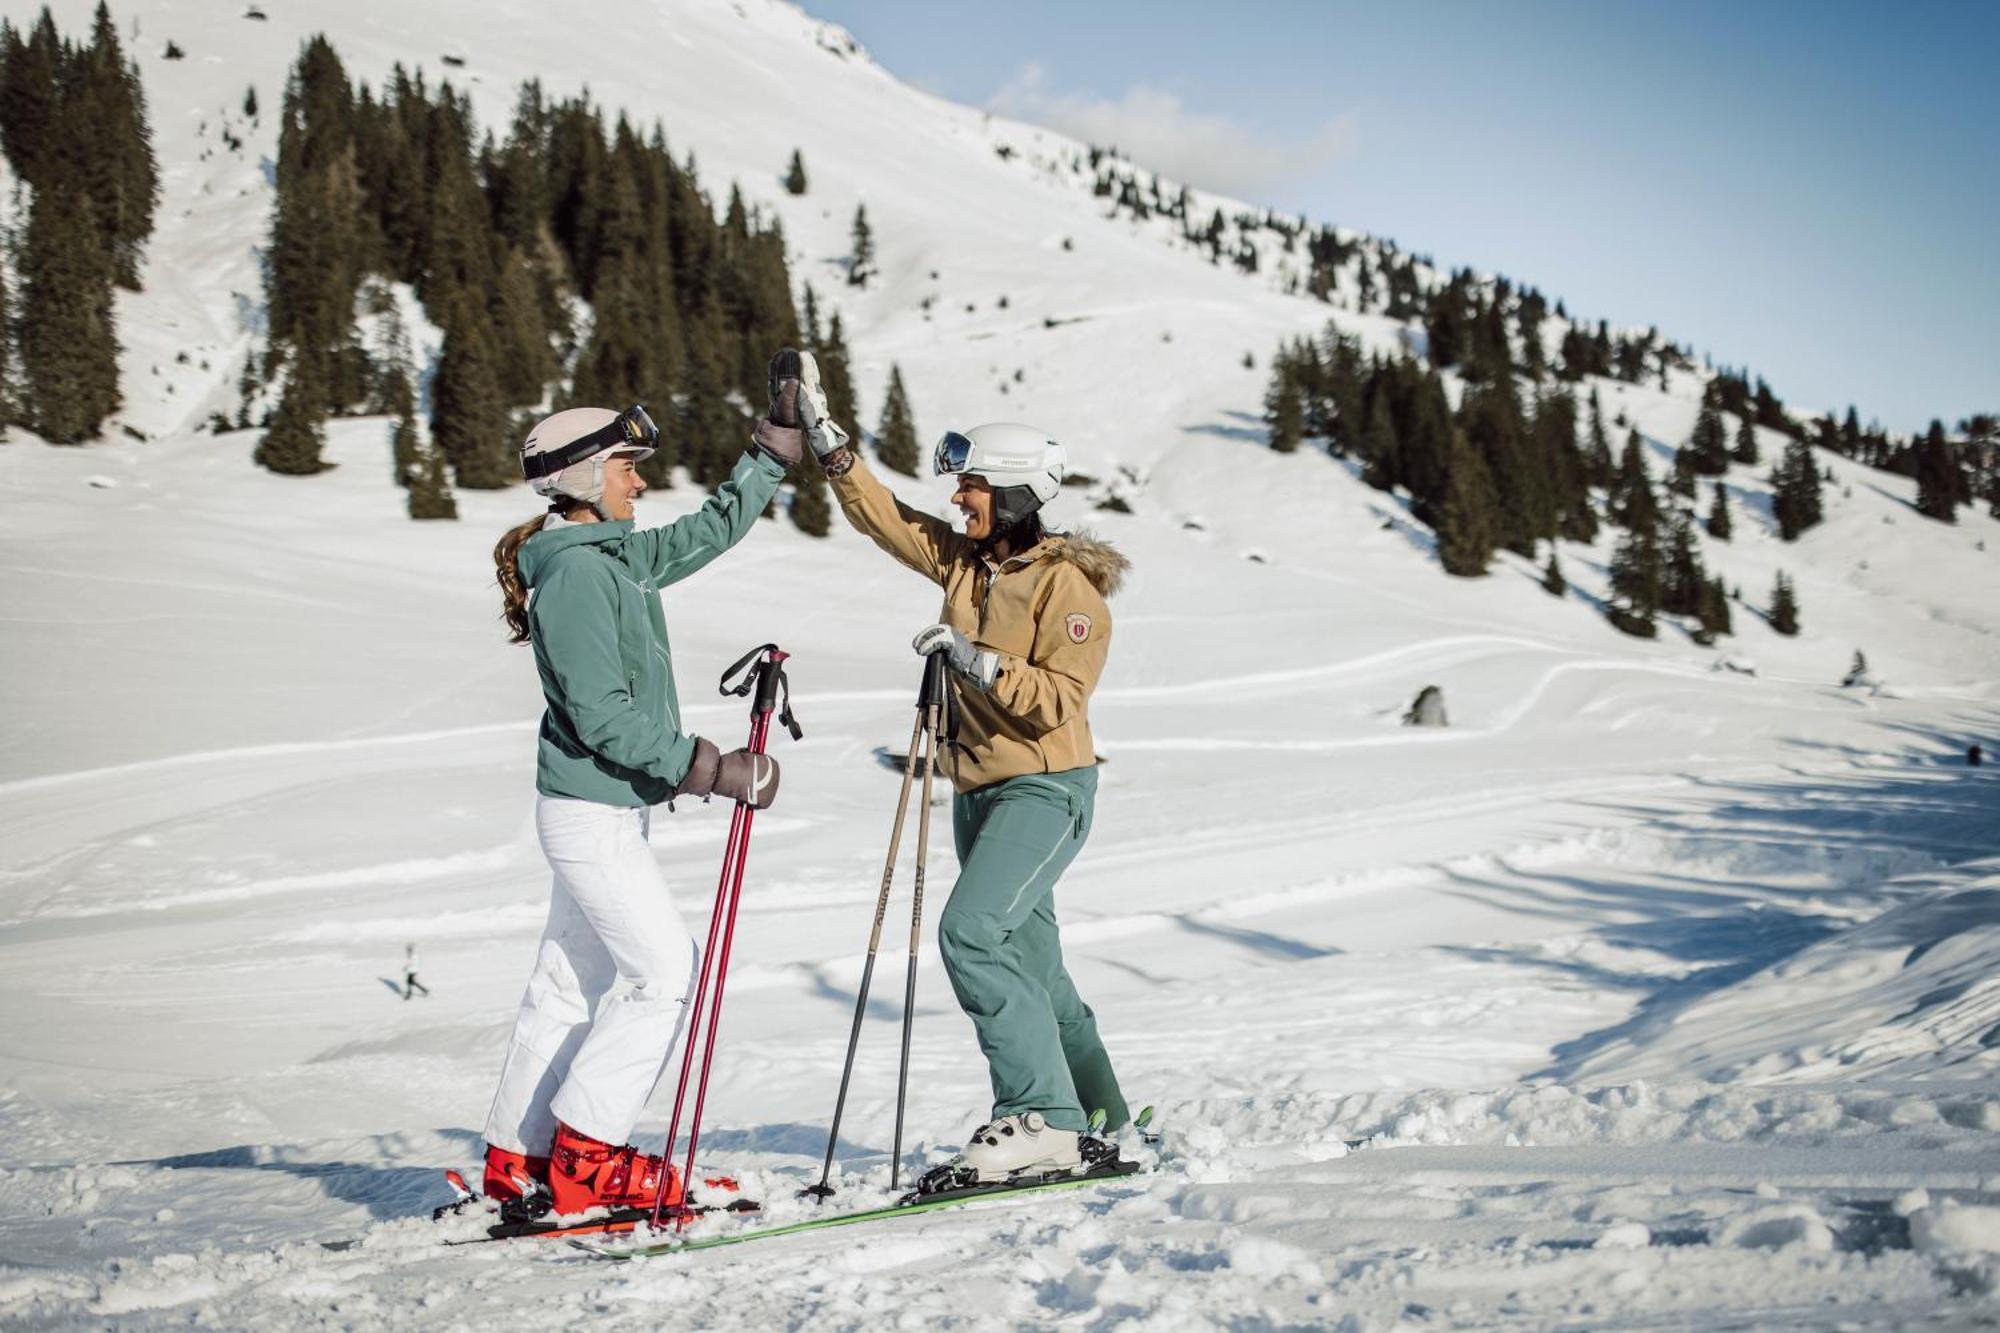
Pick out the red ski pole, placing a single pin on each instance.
(766, 677)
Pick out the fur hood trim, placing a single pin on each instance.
(1099, 561)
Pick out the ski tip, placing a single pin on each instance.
(456, 1180)
(1144, 1120)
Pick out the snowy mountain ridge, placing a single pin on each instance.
(1656, 988)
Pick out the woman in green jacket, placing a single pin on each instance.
(604, 1006)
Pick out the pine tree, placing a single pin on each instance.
(400, 400)
(812, 505)
(469, 420)
(314, 265)
(1553, 582)
(1424, 434)
(67, 329)
(250, 102)
(1632, 503)
(1746, 441)
(1467, 530)
(1682, 578)
(1718, 515)
(1681, 481)
(1708, 447)
(1598, 454)
(31, 82)
(1784, 606)
(119, 172)
(291, 445)
(1524, 499)
(1564, 464)
(1284, 405)
(1713, 612)
(406, 449)
(809, 326)
(1941, 486)
(1795, 484)
(837, 378)
(795, 174)
(526, 361)
(1315, 404)
(713, 428)
(1379, 462)
(1445, 323)
(10, 389)
(1342, 386)
(430, 492)
(861, 257)
(1635, 582)
(896, 440)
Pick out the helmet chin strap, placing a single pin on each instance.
(1014, 507)
(562, 500)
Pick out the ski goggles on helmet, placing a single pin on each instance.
(953, 452)
(632, 429)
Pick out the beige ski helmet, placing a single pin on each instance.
(564, 454)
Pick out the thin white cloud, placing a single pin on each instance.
(1153, 128)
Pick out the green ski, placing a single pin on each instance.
(918, 1204)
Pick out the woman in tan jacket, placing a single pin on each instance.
(1025, 630)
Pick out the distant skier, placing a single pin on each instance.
(609, 992)
(410, 983)
(1025, 630)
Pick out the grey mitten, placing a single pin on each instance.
(700, 779)
(784, 376)
(778, 432)
(785, 444)
(736, 776)
(747, 777)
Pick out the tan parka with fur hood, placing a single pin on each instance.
(1042, 610)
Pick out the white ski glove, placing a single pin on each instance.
(978, 666)
(823, 433)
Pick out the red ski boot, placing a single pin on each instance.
(507, 1172)
(587, 1173)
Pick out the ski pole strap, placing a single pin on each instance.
(767, 677)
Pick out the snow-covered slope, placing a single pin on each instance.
(260, 732)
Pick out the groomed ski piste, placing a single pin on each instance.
(1663, 986)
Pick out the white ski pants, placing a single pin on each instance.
(610, 990)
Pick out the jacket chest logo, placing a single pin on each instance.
(1077, 625)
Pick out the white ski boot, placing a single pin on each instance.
(1015, 1144)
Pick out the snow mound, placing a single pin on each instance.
(1963, 1240)
(1912, 993)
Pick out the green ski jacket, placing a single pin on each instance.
(612, 733)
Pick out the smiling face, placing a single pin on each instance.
(974, 498)
(622, 485)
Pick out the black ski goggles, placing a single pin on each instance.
(632, 430)
(953, 452)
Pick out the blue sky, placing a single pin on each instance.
(1808, 190)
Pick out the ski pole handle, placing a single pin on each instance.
(761, 672)
(932, 690)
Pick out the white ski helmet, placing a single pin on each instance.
(1022, 464)
(564, 454)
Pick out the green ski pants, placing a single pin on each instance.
(1001, 949)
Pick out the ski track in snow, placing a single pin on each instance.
(1658, 995)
